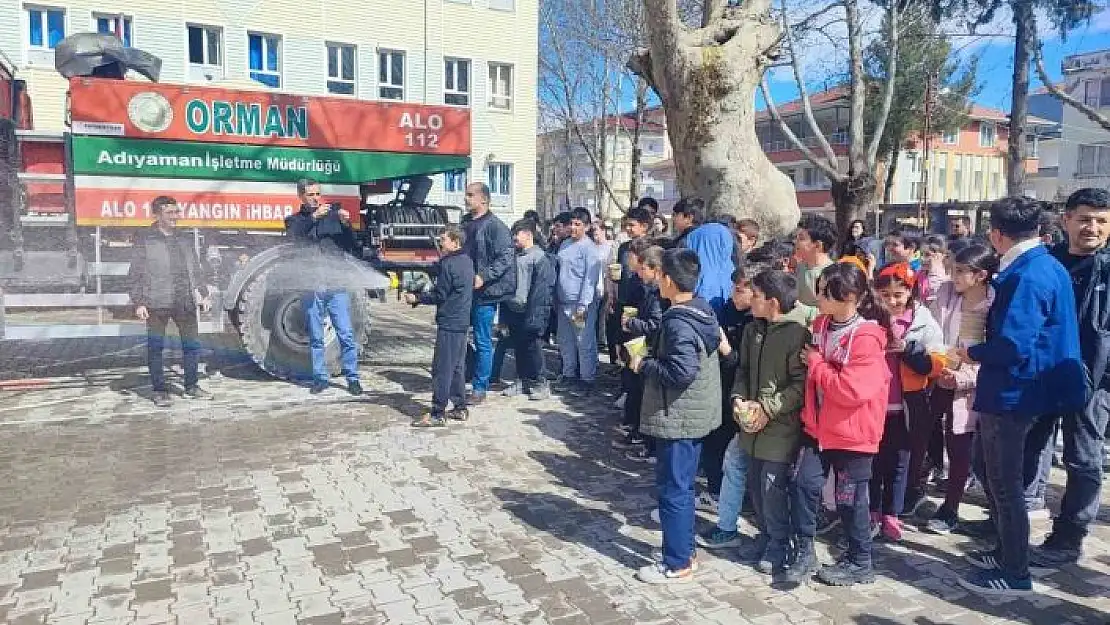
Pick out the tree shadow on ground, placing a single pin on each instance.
(570, 521)
(949, 567)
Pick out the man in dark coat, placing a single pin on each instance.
(167, 283)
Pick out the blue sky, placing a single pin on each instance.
(996, 61)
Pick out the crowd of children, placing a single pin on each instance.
(823, 392)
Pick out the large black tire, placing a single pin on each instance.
(271, 328)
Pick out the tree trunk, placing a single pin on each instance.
(891, 169)
(853, 196)
(637, 153)
(706, 79)
(1024, 28)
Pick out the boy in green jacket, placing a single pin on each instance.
(767, 400)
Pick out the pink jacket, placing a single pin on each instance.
(852, 383)
(947, 310)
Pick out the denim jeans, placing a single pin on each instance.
(805, 491)
(578, 346)
(771, 498)
(1002, 440)
(1040, 445)
(675, 471)
(335, 305)
(1084, 434)
(734, 484)
(481, 318)
(185, 318)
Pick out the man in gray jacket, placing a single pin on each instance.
(166, 283)
(579, 272)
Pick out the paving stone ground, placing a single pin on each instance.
(271, 506)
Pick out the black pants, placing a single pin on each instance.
(888, 487)
(853, 474)
(769, 485)
(713, 453)
(184, 317)
(448, 371)
(527, 346)
(614, 334)
(924, 425)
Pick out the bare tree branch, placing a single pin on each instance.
(804, 24)
(821, 164)
(803, 92)
(888, 92)
(1064, 96)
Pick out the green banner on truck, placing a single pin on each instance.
(114, 156)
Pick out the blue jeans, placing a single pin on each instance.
(734, 484)
(578, 346)
(1003, 440)
(675, 472)
(336, 305)
(481, 317)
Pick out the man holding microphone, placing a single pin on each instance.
(330, 230)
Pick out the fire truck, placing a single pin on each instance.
(71, 202)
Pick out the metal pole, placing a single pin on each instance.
(99, 285)
(923, 213)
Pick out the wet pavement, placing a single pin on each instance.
(271, 506)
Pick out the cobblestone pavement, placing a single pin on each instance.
(271, 506)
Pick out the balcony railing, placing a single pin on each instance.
(783, 145)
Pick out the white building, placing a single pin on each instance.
(480, 54)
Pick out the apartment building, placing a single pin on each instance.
(480, 54)
(566, 175)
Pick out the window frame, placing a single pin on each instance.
(208, 33)
(266, 39)
(456, 181)
(983, 125)
(44, 25)
(954, 135)
(490, 86)
(495, 186)
(455, 91)
(329, 79)
(392, 85)
(128, 26)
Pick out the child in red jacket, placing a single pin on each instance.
(845, 407)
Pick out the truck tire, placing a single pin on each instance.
(271, 328)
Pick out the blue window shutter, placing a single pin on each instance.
(34, 16)
(255, 52)
(55, 27)
(103, 26)
(127, 32)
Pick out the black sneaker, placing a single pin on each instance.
(944, 522)
(318, 387)
(803, 567)
(354, 387)
(161, 399)
(458, 414)
(563, 383)
(827, 521)
(914, 503)
(846, 573)
(982, 530)
(754, 551)
(196, 392)
(1056, 551)
(429, 421)
(631, 441)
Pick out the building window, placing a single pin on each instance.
(1096, 92)
(977, 190)
(500, 179)
(951, 137)
(789, 174)
(501, 86)
(1094, 160)
(456, 82)
(455, 181)
(205, 52)
(958, 182)
(915, 190)
(391, 75)
(264, 56)
(995, 191)
(915, 163)
(502, 5)
(986, 134)
(341, 69)
(942, 182)
(118, 25)
(46, 27)
(808, 177)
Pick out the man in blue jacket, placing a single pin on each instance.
(490, 245)
(1030, 368)
(1087, 260)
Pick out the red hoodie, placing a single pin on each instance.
(853, 385)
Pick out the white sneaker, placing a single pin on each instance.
(1039, 514)
(619, 404)
(655, 516)
(705, 503)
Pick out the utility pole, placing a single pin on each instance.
(923, 194)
